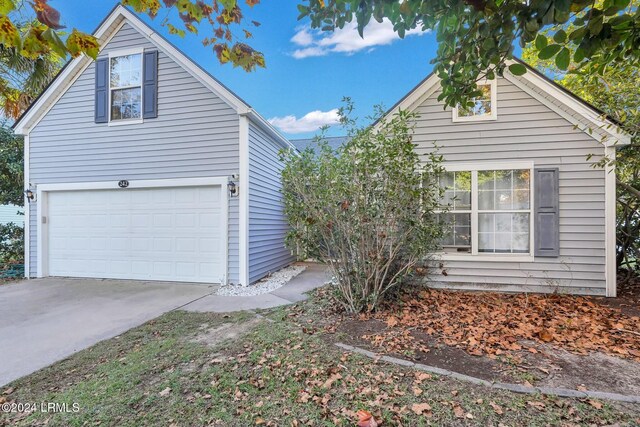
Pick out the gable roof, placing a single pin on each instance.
(118, 16)
(567, 104)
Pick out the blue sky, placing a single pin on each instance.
(379, 70)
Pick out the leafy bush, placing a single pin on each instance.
(367, 209)
(11, 244)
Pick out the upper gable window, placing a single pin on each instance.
(125, 87)
(484, 107)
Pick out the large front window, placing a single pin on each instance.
(125, 85)
(488, 211)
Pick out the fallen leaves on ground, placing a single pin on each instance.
(366, 419)
(493, 324)
(420, 408)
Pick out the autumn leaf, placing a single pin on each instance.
(496, 408)
(458, 411)
(420, 408)
(535, 404)
(6, 6)
(47, 14)
(366, 419)
(595, 403)
(78, 43)
(545, 335)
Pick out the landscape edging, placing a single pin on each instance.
(516, 388)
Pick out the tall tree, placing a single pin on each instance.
(23, 78)
(614, 90)
(11, 168)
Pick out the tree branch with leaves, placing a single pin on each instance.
(476, 38)
(46, 34)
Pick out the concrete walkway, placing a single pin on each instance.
(43, 321)
(314, 276)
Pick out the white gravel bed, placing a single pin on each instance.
(268, 284)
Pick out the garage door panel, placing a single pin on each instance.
(172, 234)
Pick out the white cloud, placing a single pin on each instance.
(308, 52)
(308, 123)
(345, 40)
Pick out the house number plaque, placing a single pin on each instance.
(123, 184)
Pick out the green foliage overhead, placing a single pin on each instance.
(47, 34)
(615, 92)
(476, 38)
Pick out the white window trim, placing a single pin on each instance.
(474, 255)
(115, 54)
(485, 117)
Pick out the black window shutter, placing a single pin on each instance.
(547, 213)
(150, 83)
(102, 89)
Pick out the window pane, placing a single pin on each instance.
(521, 199)
(457, 186)
(126, 104)
(480, 106)
(503, 190)
(504, 200)
(462, 185)
(457, 231)
(126, 71)
(503, 232)
(521, 179)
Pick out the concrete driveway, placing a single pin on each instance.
(45, 320)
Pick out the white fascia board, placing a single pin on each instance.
(269, 129)
(225, 94)
(417, 96)
(68, 76)
(607, 127)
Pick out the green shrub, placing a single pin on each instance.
(11, 244)
(366, 210)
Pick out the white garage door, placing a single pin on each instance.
(173, 234)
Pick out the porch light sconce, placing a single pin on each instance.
(31, 196)
(233, 189)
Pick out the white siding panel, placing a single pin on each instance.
(195, 135)
(267, 224)
(528, 130)
(10, 213)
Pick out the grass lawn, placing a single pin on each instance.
(191, 369)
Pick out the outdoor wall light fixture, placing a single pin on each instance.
(30, 195)
(233, 189)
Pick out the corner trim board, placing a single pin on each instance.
(244, 201)
(27, 211)
(610, 224)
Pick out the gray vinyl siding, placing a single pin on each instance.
(526, 129)
(195, 135)
(267, 224)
